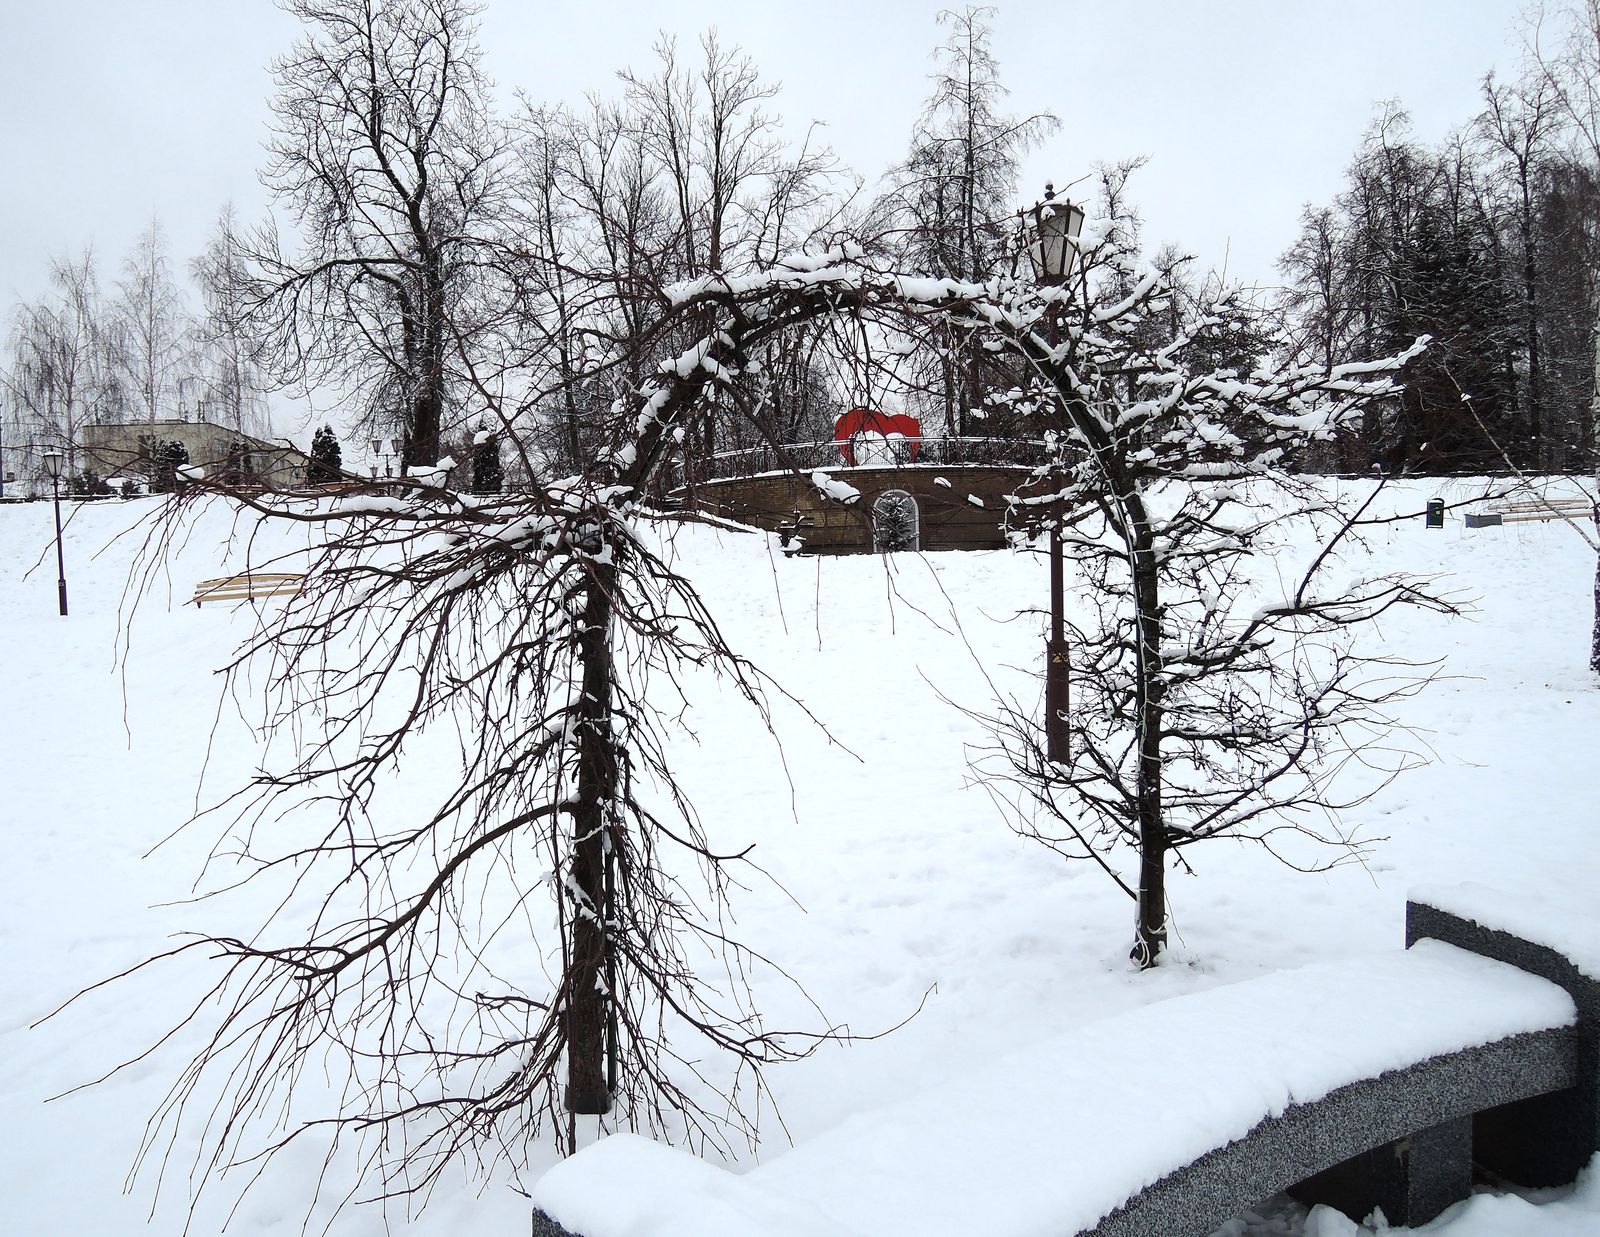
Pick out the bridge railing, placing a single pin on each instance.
(943, 450)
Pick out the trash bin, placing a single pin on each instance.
(1436, 513)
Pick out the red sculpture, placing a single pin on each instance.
(858, 424)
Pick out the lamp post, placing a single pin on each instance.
(52, 465)
(1053, 252)
(383, 449)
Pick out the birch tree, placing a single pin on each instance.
(229, 356)
(64, 369)
(153, 323)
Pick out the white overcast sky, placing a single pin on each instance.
(111, 110)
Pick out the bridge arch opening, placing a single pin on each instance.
(896, 522)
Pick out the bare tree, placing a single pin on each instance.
(1519, 123)
(705, 130)
(64, 370)
(949, 209)
(1315, 273)
(685, 175)
(545, 633)
(597, 230)
(544, 630)
(1571, 68)
(735, 199)
(153, 323)
(229, 355)
(386, 155)
(954, 192)
(1213, 696)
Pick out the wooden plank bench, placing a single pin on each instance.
(1524, 511)
(249, 586)
(1371, 1083)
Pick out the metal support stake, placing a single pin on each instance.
(1055, 682)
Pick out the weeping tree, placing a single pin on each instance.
(544, 634)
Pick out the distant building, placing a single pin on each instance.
(131, 449)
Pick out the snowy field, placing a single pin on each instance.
(900, 883)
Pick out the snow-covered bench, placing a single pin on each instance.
(1533, 509)
(248, 586)
(1547, 1139)
(1357, 1080)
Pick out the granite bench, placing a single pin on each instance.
(1375, 1083)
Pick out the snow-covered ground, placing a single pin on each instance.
(907, 887)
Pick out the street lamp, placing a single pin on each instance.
(52, 465)
(384, 449)
(1053, 247)
(1053, 252)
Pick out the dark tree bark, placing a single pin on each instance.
(1150, 932)
(588, 1000)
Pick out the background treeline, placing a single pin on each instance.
(1485, 242)
(454, 279)
(147, 343)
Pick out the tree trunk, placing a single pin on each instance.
(1151, 930)
(1538, 456)
(588, 1001)
(1594, 393)
(1594, 638)
(427, 405)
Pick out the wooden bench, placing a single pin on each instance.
(1527, 510)
(249, 586)
(1371, 1083)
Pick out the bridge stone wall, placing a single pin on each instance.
(960, 507)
